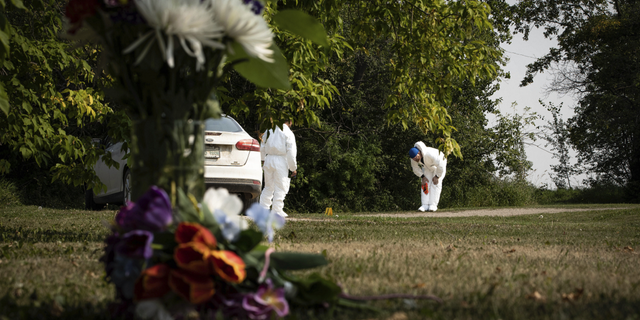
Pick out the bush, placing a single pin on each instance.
(495, 193)
(8, 194)
(599, 193)
(38, 190)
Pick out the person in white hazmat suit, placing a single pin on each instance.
(278, 152)
(431, 166)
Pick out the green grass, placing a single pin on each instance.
(579, 265)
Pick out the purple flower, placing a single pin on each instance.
(256, 6)
(152, 212)
(265, 300)
(136, 244)
(265, 219)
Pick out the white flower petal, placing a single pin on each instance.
(245, 27)
(191, 20)
(232, 205)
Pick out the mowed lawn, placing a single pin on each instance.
(565, 265)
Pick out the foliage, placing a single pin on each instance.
(51, 105)
(429, 48)
(596, 193)
(597, 60)
(557, 135)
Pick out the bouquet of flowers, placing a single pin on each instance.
(206, 259)
(165, 59)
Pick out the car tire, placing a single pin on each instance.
(248, 201)
(126, 187)
(89, 204)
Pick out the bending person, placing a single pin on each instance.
(431, 166)
(278, 152)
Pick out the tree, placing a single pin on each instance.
(48, 101)
(430, 47)
(557, 135)
(597, 59)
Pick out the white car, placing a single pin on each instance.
(118, 181)
(231, 161)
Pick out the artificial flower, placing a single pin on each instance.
(194, 257)
(136, 244)
(229, 266)
(265, 300)
(152, 212)
(193, 232)
(267, 220)
(245, 25)
(152, 309)
(191, 21)
(226, 210)
(192, 287)
(152, 283)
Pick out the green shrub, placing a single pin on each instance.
(600, 193)
(38, 190)
(8, 194)
(494, 193)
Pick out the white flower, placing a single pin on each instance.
(152, 309)
(244, 26)
(226, 210)
(191, 21)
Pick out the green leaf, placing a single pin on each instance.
(302, 24)
(208, 220)
(297, 261)
(186, 211)
(248, 240)
(4, 100)
(262, 73)
(18, 4)
(4, 37)
(314, 289)
(166, 239)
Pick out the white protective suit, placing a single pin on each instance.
(433, 163)
(278, 151)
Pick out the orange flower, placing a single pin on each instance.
(228, 266)
(193, 232)
(194, 257)
(194, 288)
(152, 283)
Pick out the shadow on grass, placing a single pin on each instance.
(33, 235)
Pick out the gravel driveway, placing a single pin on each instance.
(503, 212)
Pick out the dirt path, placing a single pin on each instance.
(503, 212)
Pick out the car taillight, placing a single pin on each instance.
(248, 144)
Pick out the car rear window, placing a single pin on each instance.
(223, 124)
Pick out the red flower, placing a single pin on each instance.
(194, 256)
(228, 266)
(152, 283)
(192, 287)
(188, 232)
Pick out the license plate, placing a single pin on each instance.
(212, 153)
